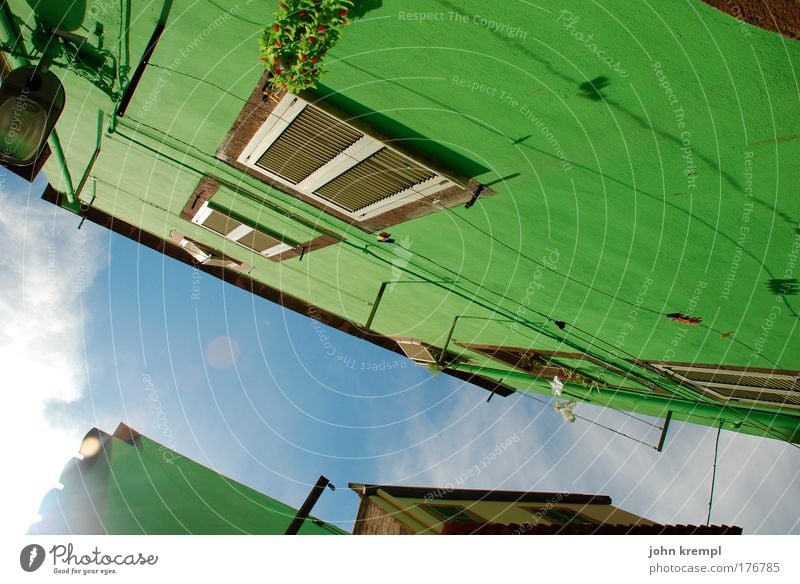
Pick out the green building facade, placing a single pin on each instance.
(503, 192)
(128, 484)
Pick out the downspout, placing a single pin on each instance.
(55, 146)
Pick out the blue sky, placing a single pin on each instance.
(95, 329)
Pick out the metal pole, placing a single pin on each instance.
(308, 504)
(375, 305)
(664, 429)
(440, 360)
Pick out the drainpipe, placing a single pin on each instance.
(55, 146)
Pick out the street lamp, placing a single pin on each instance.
(31, 101)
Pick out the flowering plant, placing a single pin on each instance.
(293, 47)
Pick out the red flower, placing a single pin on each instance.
(343, 12)
(303, 71)
(315, 71)
(302, 57)
(320, 28)
(311, 39)
(314, 59)
(278, 44)
(303, 13)
(276, 27)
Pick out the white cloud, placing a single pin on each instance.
(46, 264)
(757, 483)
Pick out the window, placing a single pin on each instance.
(205, 255)
(253, 225)
(453, 514)
(332, 162)
(417, 351)
(329, 153)
(560, 516)
(253, 239)
(743, 385)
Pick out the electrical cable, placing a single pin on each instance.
(585, 419)
(581, 283)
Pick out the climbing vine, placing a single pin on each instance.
(293, 48)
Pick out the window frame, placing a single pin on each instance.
(206, 211)
(281, 118)
(263, 101)
(202, 197)
(679, 371)
(213, 257)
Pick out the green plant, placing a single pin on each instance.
(293, 47)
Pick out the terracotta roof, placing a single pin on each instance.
(449, 494)
(451, 528)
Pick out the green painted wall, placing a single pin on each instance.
(149, 489)
(669, 183)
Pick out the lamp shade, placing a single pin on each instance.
(31, 102)
(22, 125)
